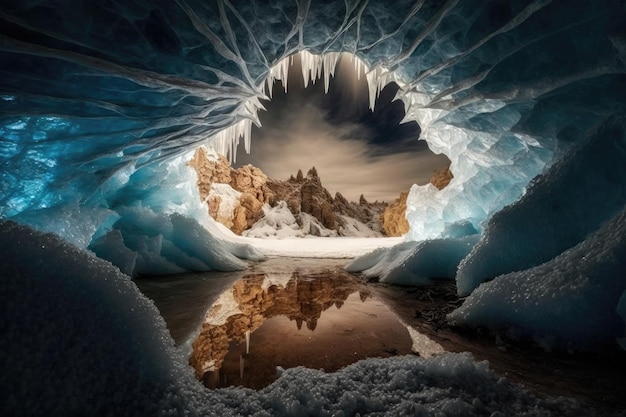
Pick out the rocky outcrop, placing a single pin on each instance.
(238, 201)
(246, 185)
(365, 212)
(393, 218)
(316, 200)
(441, 177)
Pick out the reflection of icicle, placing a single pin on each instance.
(241, 366)
(247, 341)
(422, 344)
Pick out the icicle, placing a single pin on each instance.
(285, 72)
(377, 79)
(247, 342)
(329, 61)
(226, 141)
(306, 67)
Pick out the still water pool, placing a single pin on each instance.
(278, 316)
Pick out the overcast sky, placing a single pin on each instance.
(354, 150)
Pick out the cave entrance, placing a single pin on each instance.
(328, 161)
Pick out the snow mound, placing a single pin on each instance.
(414, 263)
(278, 222)
(354, 228)
(570, 301)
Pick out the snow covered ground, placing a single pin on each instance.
(310, 247)
(323, 247)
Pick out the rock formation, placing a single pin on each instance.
(441, 177)
(247, 184)
(394, 220)
(238, 201)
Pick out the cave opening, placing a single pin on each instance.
(328, 157)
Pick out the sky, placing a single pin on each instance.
(354, 150)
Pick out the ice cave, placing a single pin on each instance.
(102, 102)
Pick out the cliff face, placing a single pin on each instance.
(236, 196)
(393, 218)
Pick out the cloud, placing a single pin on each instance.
(300, 138)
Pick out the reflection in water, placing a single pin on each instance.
(267, 321)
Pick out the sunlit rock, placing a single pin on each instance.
(394, 217)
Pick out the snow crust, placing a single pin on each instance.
(279, 223)
(570, 301)
(92, 344)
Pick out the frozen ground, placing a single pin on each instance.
(309, 247)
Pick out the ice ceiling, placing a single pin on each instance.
(101, 101)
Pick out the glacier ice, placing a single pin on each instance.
(501, 89)
(560, 209)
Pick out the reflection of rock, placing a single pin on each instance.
(301, 300)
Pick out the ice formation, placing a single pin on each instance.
(101, 103)
(415, 263)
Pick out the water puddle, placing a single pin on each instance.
(238, 328)
(271, 320)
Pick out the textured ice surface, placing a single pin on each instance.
(569, 301)
(414, 263)
(80, 339)
(560, 208)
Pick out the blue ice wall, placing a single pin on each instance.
(97, 97)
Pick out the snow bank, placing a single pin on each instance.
(559, 209)
(569, 301)
(146, 242)
(414, 263)
(80, 339)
